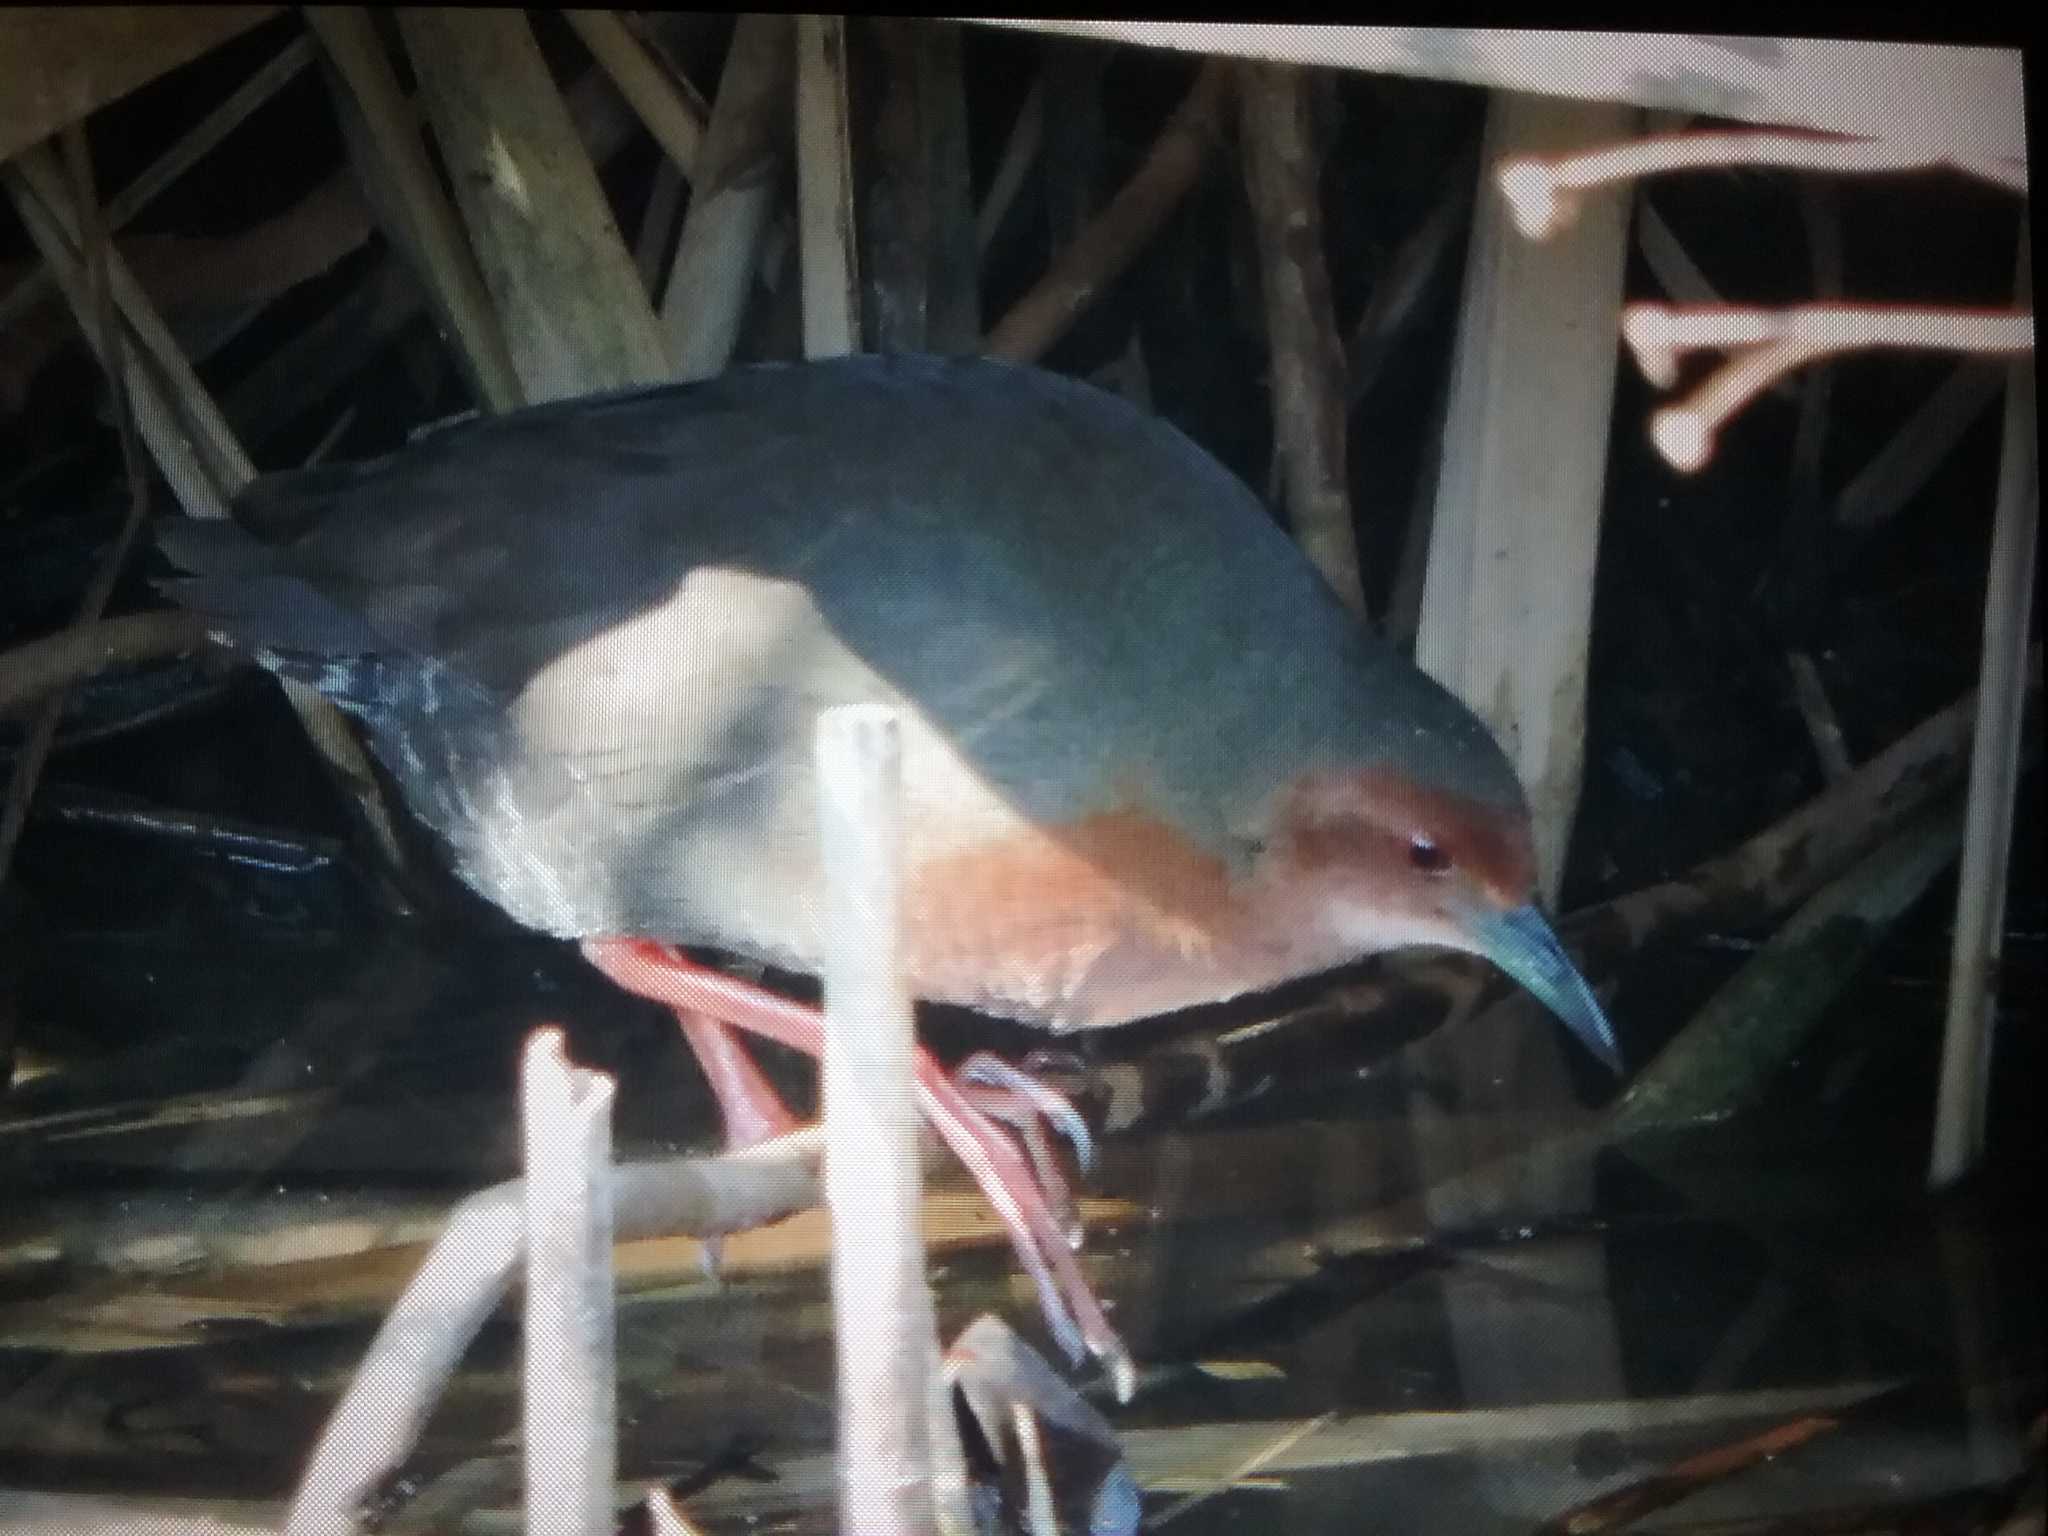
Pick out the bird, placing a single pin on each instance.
(1150, 761)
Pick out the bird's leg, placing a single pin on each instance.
(753, 1111)
(1071, 1310)
(1009, 1094)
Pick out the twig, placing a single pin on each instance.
(1775, 343)
(215, 287)
(37, 669)
(210, 432)
(1019, 150)
(575, 316)
(1821, 725)
(171, 443)
(1660, 335)
(1626, 1506)
(468, 1272)
(1670, 263)
(1403, 616)
(1305, 362)
(1114, 237)
(665, 1517)
(1898, 471)
(450, 272)
(1546, 193)
(1752, 1026)
(1274, 1450)
(384, 301)
(740, 177)
(224, 837)
(570, 1388)
(1787, 586)
(201, 490)
(1678, 274)
(1790, 859)
(1414, 266)
(824, 180)
(1994, 784)
(668, 115)
(191, 147)
(91, 238)
(325, 444)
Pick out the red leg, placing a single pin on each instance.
(753, 1110)
(655, 971)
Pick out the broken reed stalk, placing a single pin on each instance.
(1304, 358)
(667, 114)
(89, 235)
(380, 305)
(1112, 240)
(826, 245)
(574, 315)
(469, 1271)
(432, 230)
(193, 447)
(569, 1391)
(186, 151)
(1994, 784)
(227, 464)
(902, 1472)
(731, 198)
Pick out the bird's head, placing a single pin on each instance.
(1379, 860)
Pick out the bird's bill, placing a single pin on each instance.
(1521, 943)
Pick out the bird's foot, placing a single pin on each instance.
(1026, 1105)
(1043, 1241)
(751, 1108)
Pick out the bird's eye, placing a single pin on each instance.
(1426, 856)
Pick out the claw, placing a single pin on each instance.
(1072, 1312)
(992, 1071)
